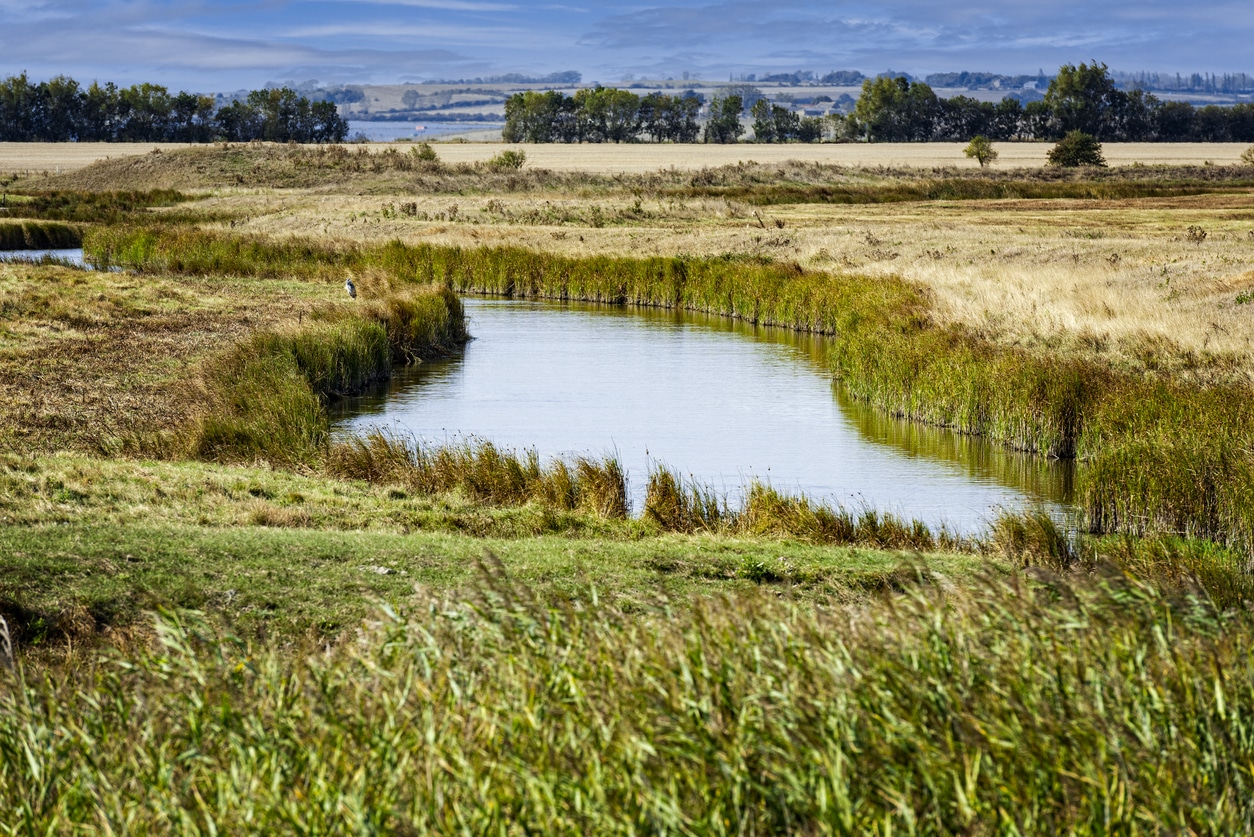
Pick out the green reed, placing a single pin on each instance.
(1108, 707)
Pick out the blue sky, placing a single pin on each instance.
(207, 47)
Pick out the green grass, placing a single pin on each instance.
(1164, 457)
(107, 206)
(1107, 708)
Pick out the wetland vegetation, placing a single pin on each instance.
(210, 597)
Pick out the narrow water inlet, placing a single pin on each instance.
(721, 401)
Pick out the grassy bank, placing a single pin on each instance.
(1164, 457)
(266, 397)
(1002, 708)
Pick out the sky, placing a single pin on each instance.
(221, 46)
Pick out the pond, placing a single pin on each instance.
(721, 401)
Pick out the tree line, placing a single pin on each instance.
(890, 109)
(61, 110)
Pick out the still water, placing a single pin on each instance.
(379, 131)
(73, 256)
(721, 401)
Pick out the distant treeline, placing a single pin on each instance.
(890, 109)
(600, 114)
(61, 110)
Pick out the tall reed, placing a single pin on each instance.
(486, 473)
(38, 235)
(1103, 708)
(265, 399)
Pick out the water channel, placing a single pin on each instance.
(72, 255)
(722, 401)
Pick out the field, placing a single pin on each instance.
(56, 158)
(216, 617)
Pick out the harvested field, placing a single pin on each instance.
(54, 158)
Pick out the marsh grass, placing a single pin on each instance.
(266, 397)
(94, 206)
(485, 473)
(38, 235)
(1105, 707)
(1164, 457)
(678, 505)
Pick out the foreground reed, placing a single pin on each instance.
(38, 235)
(1008, 708)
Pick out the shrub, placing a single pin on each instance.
(507, 160)
(1247, 156)
(424, 153)
(1077, 149)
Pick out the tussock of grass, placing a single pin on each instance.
(37, 235)
(1061, 710)
(485, 473)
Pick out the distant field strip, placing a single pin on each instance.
(56, 158)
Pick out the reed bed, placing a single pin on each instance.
(1106, 708)
(678, 505)
(38, 235)
(1165, 457)
(485, 473)
(265, 399)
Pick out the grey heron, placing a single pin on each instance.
(351, 288)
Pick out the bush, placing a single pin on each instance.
(1077, 149)
(509, 159)
(1247, 156)
(981, 149)
(424, 153)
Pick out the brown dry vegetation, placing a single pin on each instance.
(91, 361)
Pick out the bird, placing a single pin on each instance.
(351, 288)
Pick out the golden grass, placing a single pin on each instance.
(1116, 280)
(36, 158)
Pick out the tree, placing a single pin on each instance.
(981, 149)
(894, 109)
(763, 121)
(1076, 149)
(724, 125)
(607, 114)
(1084, 98)
(539, 117)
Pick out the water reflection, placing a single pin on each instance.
(72, 255)
(725, 402)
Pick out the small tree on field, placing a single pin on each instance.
(981, 149)
(1076, 149)
(1247, 156)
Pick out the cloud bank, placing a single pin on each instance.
(244, 43)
